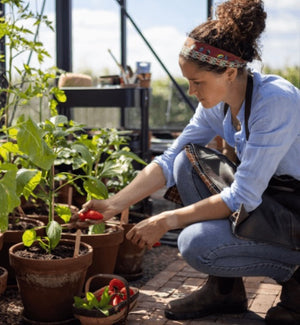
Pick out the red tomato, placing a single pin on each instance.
(116, 300)
(116, 285)
(124, 293)
(91, 214)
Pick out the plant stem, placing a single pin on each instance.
(28, 61)
(51, 194)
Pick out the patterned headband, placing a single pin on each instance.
(210, 54)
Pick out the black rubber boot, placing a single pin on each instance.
(218, 295)
(287, 311)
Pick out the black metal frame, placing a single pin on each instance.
(64, 40)
(64, 35)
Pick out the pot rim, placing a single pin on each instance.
(20, 246)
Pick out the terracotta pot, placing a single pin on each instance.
(48, 287)
(3, 279)
(105, 250)
(130, 258)
(10, 238)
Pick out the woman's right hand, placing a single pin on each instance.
(102, 206)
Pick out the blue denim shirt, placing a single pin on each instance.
(273, 147)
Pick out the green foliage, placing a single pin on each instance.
(102, 161)
(292, 74)
(41, 145)
(168, 110)
(107, 164)
(8, 196)
(98, 228)
(48, 242)
(22, 84)
(90, 302)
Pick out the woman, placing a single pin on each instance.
(214, 61)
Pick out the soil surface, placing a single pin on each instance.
(60, 252)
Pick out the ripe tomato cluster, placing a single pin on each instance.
(116, 291)
(91, 214)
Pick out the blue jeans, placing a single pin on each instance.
(211, 248)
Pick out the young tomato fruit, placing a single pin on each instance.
(91, 214)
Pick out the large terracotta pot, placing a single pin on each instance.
(12, 237)
(48, 287)
(130, 257)
(105, 250)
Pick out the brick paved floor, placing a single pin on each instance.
(179, 279)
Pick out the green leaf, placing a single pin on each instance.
(105, 298)
(81, 303)
(128, 154)
(95, 188)
(63, 212)
(92, 300)
(8, 196)
(27, 180)
(8, 148)
(44, 243)
(29, 237)
(59, 120)
(31, 142)
(53, 231)
(98, 228)
(85, 154)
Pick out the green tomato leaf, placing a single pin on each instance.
(29, 237)
(53, 231)
(31, 142)
(8, 196)
(84, 153)
(63, 212)
(59, 120)
(8, 148)
(27, 180)
(95, 188)
(44, 243)
(98, 228)
(128, 154)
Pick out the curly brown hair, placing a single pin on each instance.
(236, 29)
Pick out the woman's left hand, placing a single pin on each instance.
(148, 232)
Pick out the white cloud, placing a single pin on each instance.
(279, 5)
(92, 38)
(96, 31)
